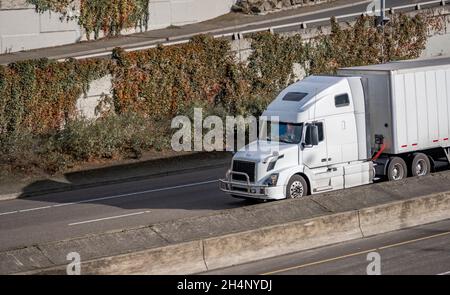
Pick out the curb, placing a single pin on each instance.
(66, 188)
(270, 241)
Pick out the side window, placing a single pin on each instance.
(341, 100)
(321, 134)
(307, 136)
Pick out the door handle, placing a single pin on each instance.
(324, 160)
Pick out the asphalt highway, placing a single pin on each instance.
(71, 214)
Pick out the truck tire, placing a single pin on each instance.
(397, 169)
(296, 188)
(420, 165)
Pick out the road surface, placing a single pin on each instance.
(71, 214)
(423, 250)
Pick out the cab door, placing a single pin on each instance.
(315, 157)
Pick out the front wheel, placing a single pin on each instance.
(296, 188)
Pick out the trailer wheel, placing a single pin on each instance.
(397, 169)
(296, 188)
(420, 165)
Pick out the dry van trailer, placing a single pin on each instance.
(407, 106)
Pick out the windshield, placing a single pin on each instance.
(284, 132)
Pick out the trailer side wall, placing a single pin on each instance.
(409, 107)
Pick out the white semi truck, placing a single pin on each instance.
(386, 121)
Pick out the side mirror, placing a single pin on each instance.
(311, 136)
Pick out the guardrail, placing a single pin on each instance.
(240, 34)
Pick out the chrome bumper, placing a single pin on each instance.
(242, 188)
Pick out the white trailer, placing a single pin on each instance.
(334, 132)
(407, 110)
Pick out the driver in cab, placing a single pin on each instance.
(292, 134)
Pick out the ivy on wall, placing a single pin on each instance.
(39, 96)
(359, 44)
(152, 86)
(271, 63)
(60, 6)
(95, 16)
(112, 16)
(163, 81)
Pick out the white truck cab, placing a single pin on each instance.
(319, 143)
(333, 132)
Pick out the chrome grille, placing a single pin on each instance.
(244, 167)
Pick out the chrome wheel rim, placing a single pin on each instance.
(398, 172)
(421, 168)
(296, 190)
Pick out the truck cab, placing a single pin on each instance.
(315, 141)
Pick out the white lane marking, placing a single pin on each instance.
(110, 197)
(444, 273)
(108, 218)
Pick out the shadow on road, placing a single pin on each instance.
(178, 185)
(194, 189)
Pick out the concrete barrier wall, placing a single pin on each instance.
(280, 239)
(22, 28)
(171, 260)
(408, 213)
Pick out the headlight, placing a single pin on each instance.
(272, 180)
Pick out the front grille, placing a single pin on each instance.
(244, 167)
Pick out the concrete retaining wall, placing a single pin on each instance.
(245, 234)
(438, 45)
(88, 105)
(22, 28)
(164, 13)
